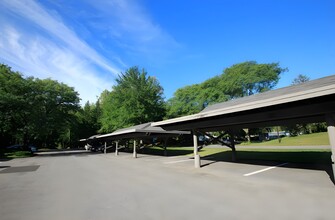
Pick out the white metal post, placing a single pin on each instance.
(197, 163)
(331, 135)
(117, 148)
(232, 145)
(165, 144)
(105, 150)
(134, 152)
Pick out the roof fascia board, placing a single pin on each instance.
(162, 132)
(115, 133)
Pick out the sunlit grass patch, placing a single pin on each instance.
(314, 156)
(17, 154)
(301, 140)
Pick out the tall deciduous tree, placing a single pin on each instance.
(135, 99)
(300, 79)
(57, 104)
(13, 108)
(185, 101)
(239, 80)
(304, 128)
(34, 110)
(249, 78)
(88, 119)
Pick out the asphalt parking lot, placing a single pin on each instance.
(80, 185)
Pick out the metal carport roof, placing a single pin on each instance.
(307, 102)
(139, 132)
(142, 130)
(312, 101)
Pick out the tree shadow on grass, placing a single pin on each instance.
(300, 160)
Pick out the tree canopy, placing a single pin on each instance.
(300, 79)
(34, 110)
(47, 113)
(297, 129)
(88, 120)
(249, 78)
(135, 99)
(239, 80)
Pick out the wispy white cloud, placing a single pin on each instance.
(42, 58)
(55, 52)
(34, 12)
(37, 40)
(128, 23)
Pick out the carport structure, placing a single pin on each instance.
(139, 133)
(313, 101)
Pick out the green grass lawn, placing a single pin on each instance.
(301, 140)
(291, 156)
(314, 156)
(15, 154)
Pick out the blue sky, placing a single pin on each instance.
(87, 43)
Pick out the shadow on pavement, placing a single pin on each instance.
(58, 153)
(299, 160)
(171, 152)
(4, 159)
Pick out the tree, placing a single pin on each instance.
(88, 119)
(300, 79)
(249, 78)
(33, 110)
(135, 99)
(305, 128)
(185, 101)
(12, 104)
(56, 105)
(239, 80)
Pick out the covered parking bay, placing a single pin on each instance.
(310, 102)
(138, 133)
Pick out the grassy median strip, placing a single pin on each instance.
(15, 154)
(301, 140)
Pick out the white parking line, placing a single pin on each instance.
(177, 161)
(266, 169)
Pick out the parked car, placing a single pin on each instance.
(96, 148)
(33, 149)
(19, 147)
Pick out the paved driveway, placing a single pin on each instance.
(97, 186)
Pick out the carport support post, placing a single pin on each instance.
(196, 155)
(134, 151)
(165, 143)
(331, 134)
(116, 148)
(105, 150)
(232, 143)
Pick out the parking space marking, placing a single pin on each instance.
(177, 161)
(266, 169)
